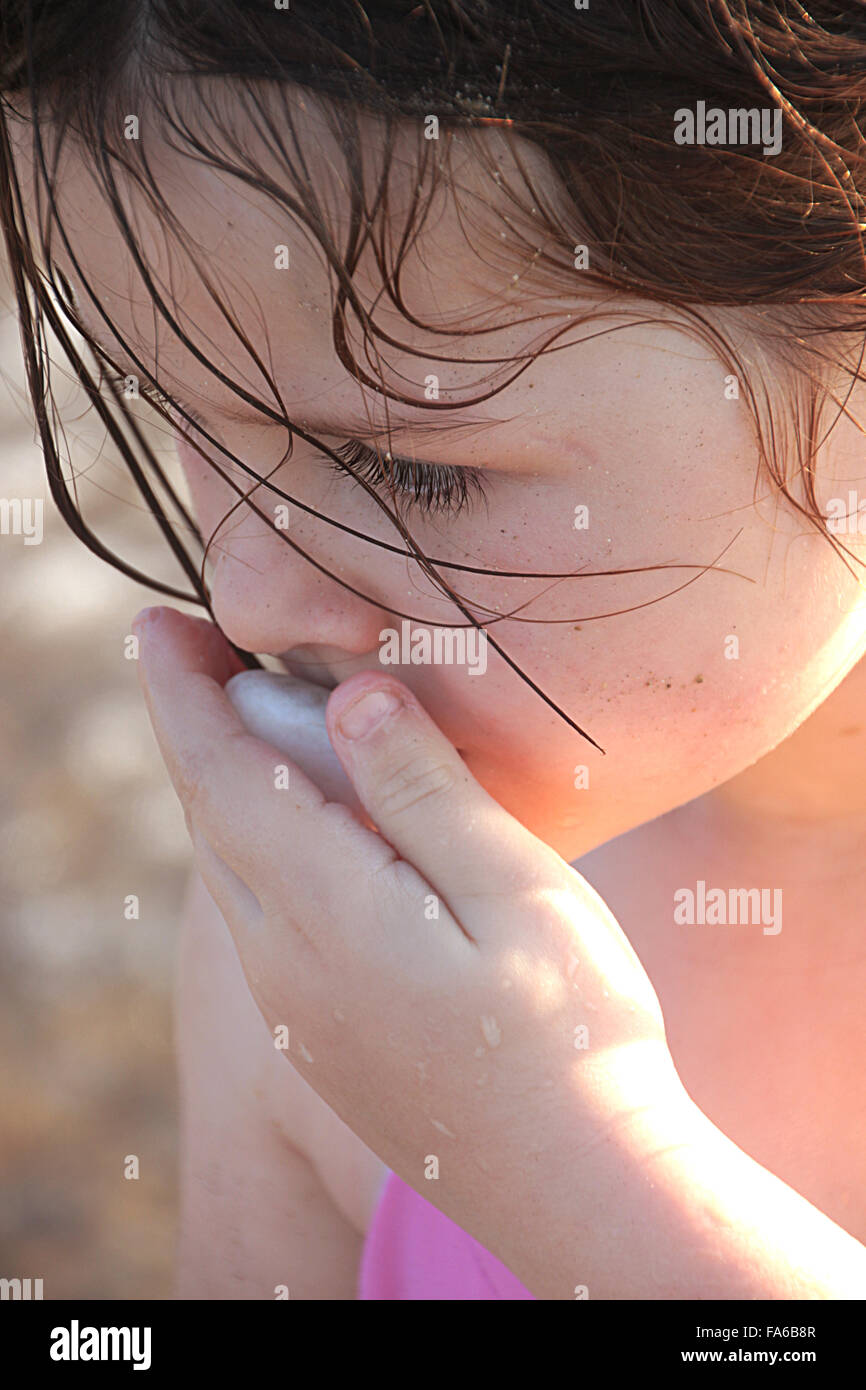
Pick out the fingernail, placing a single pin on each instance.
(366, 714)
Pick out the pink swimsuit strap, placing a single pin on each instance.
(414, 1251)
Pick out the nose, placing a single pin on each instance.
(267, 598)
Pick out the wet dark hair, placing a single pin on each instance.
(701, 231)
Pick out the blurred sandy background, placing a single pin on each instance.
(87, 817)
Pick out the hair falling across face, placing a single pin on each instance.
(438, 348)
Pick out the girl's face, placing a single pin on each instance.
(621, 452)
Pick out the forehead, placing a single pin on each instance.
(248, 283)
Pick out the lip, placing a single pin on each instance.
(304, 675)
(330, 684)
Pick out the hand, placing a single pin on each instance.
(452, 988)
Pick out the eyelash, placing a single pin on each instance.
(431, 488)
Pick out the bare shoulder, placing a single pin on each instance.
(350, 1172)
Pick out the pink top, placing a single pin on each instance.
(414, 1251)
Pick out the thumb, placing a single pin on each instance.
(420, 794)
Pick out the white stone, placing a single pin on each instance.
(290, 714)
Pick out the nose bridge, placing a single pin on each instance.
(267, 597)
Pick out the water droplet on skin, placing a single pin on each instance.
(572, 966)
(339, 1016)
(443, 1129)
(480, 1051)
(481, 1080)
(491, 1030)
(307, 1056)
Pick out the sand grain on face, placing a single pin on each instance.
(491, 1030)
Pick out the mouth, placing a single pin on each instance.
(324, 680)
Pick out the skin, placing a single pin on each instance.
(767, 1032)
(635, 425)
(617, 429)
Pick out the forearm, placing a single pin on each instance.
(733, 1230)
(669, 1208)
(255, 1219)
(254, 1213)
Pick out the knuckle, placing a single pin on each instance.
(196, 779)
(384, 889)
(411, 782)
(395, 876)
(192, 789)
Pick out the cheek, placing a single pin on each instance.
(682, 694)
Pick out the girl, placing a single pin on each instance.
(463, 324)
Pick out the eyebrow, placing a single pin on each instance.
(351, 424)
(348, 423)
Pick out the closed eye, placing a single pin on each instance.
(429, 487)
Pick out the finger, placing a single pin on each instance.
(421, 795)
(236, 901)
(229, 782)
(217, 656)
(277, 834)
